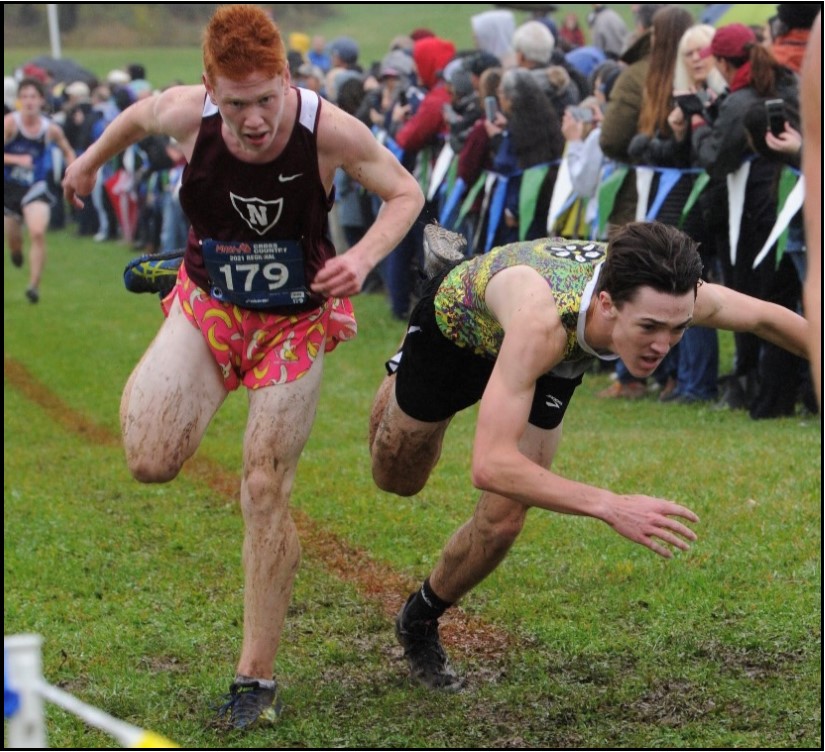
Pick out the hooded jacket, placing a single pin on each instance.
(431, 56)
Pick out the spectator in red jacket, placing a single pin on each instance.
(420, 130)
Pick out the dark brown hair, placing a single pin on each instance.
(669, 24)
(765, 70)
(33, 83)
(649, 254)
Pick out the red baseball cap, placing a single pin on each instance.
(732, 41)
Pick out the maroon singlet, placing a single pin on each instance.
(227, 199)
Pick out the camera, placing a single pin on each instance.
(582, 114)
(775, 110)
(411, 96)
(690, 104)
(490, 108)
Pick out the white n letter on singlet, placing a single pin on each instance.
(255, 212)
(257, 215)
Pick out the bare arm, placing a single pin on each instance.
(57, 136)
(175, 112)
(9, 132)
(722, 308)
(812, 172)
(344, 142)
(522, 302)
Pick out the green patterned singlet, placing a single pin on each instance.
(568, 266)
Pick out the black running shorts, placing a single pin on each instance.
(16, 196)
(436, 378)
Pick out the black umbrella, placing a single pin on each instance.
(531, 7)
(64, 70)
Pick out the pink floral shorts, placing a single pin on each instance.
(259, 349)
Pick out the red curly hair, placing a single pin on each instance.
(242, 39)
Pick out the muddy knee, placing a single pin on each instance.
(401, 482)
(152, 469)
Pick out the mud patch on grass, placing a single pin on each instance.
(600, 671)
(162, 664)
(672, 703)
(754, 663)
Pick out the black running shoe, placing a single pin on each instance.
(33, 295)
(428, 662)
(250, 705)
(153, 273)
(16, 258)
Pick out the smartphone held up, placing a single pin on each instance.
(775, 111)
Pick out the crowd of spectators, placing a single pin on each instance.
(543, 128)
(135, 199)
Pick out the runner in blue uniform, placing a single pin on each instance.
(28, 136)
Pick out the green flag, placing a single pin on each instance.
(698, 186)
(607, 195)
(531, 181)
(787, 181)
(470, 199)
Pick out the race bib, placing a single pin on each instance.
(22, 175)
(256, 274)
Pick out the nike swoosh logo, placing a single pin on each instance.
(413, 329)
(288, 178)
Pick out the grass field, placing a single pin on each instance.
(580, 639)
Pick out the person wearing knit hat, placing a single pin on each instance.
(299, 42)
(533, 45)
(480, 61)
(295, 59)
(798, 15)
(30, 70)
(310, 77)
(417, 34)
(396, 63)
(118, 77)
(343, 52)
(585, 59)
(77, 90)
